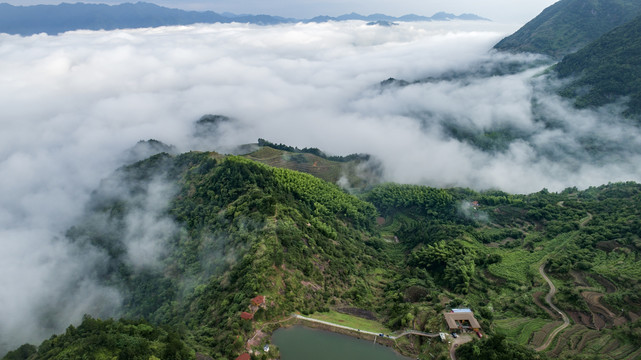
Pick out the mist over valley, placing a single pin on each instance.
(87, 217)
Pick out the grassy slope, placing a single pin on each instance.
(322, 168)
(351, 321)
(357, 173)
(568, 25)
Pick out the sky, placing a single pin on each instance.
(74, 104)
(497, 10)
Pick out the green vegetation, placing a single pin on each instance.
(356, 171)
(313, 151)
(109, 339)
(569, 25)
(496, 347)
(242, 229)
(350, 321)
(607, 69)
(519, 330)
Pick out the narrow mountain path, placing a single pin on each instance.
(586, 220)
(548, 299)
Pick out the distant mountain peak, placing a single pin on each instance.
(55, 19)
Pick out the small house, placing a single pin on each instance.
(244, 356)
(258, 300)
(246, 316)
(461, 319)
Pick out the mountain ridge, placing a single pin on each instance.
(56, 19)
(606, 70)
(568, 25)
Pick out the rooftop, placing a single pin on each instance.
(258, 300)
(453, 317)
(246, 316)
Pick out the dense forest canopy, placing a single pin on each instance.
(400, 253)
(606, 70)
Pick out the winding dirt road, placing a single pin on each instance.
(548, 299)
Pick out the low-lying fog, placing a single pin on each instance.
(73, 104)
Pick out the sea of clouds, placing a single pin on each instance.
(73, 104)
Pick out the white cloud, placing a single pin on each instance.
(72, 104)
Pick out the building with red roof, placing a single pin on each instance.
(244, 356)
(258, 300)
(246, 316)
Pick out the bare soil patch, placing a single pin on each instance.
(602, 316)
(581, 318)
(537, 300)
(579, 278)
(607, 284)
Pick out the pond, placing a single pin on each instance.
(300, 342)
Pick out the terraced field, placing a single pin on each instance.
(325, 169)
(579, 339)
(520, 329)
(568, 339)
(539, 337)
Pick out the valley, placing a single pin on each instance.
(308, 247)
(488, 205)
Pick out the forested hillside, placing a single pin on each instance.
(484, 251)
(607, 69)
(232, 229)
(568, 25)
(194, 239)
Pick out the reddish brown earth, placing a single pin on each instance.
(537, 300)
(581, 318)
(602, 316)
